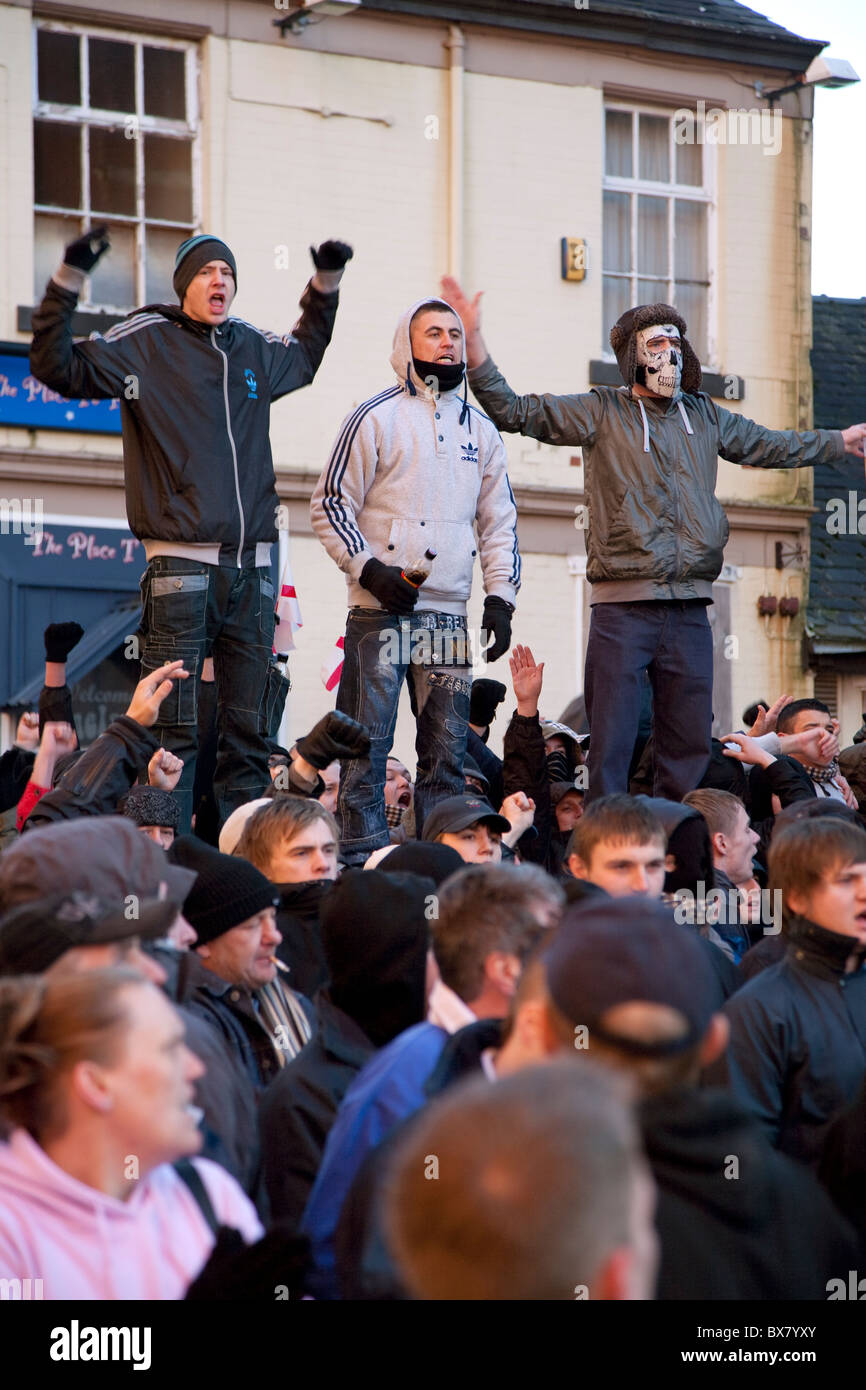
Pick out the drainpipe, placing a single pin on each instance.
(456, 44)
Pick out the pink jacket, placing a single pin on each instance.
(83, 1244)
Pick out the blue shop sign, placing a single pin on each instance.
(26, 401)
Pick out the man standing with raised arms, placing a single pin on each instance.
(656, 532)
(195, 390)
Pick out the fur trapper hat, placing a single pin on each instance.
(623, 340)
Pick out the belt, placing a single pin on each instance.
(443, 622)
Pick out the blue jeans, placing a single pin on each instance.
(380, 652)
(190, 611)
(673, 643)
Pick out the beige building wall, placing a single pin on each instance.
(278, 174)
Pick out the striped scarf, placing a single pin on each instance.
(285, 1020)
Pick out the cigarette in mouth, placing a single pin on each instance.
(279, 964)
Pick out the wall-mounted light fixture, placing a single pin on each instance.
(573, 252)
(305, 11)
(821, 72)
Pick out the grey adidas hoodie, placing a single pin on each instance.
(410, 471)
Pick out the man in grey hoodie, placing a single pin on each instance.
(413, 471)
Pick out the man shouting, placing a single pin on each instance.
(656, 534)
(195, 389)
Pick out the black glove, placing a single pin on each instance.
(335, 736)
(496, 618)
(485, 696)
(60, 638)
(331, 255)
(386, 583)
(82, 254)
(237, 1272)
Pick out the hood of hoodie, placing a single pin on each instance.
(689, 1134)
(375, 934)
(401, 353)
(688, 840)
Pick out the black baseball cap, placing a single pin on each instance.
(628, 950)
(37, 933)
(456, 812)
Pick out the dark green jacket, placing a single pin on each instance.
(655, 527)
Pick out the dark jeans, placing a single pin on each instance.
(673, 643)
(377, 658)
(190, 611)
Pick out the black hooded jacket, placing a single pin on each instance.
(689, 843)
(375, 937)
(736, 1220)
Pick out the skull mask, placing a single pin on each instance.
(660, 372)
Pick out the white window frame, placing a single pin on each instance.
(86, 116)
(671, 190)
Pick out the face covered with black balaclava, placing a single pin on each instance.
(659, 359)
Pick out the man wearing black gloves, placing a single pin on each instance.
(656, 532)
(195, 389)
(413, 471)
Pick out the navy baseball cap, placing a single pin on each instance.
(457, 812)
(629, 950)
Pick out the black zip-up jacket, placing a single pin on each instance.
(195, 409)
(762, 1230)
(797, 1054)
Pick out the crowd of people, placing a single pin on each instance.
(250, 1069)
(583, 1021)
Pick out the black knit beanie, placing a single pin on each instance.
(150, 806)
(227, 891)
(195, 252)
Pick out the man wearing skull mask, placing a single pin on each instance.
(656, 533)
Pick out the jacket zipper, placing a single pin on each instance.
(231, 440)
(677, 524)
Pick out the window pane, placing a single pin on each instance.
(653, 148)
(164, 83)
(161, 245)
(691, 300)
(112, 75)
(167, 178)
(617, 298)
(617, 231)
(652, 235)
(652, 291)
(51, 234)
(690, 164)
(617, 143)
(112, 171)
(58, 58)
(113, 281)
(57, 164)
(690, 240)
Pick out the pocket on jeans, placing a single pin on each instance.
(180, 706)
(178, 603)
(274, 703)
(267, 611)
